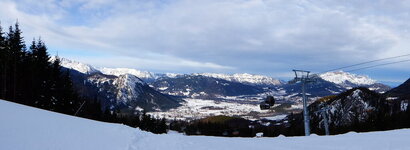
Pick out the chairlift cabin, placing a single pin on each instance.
(264, 106)
(270, 100)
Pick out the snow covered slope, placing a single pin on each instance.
(25, 127)
(28, 128)
(245, 78)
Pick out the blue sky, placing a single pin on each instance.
(269, 37)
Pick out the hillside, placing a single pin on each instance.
(35, 129)
(402, 90)
(123, 91)
(357, 109)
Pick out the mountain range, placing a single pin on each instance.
(135, 89)
(125, 92)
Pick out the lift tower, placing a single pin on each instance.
(303, 77)
(323, 110)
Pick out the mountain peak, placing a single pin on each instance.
(129, 87)
(75, 65)
(123, 71)
(340, 77)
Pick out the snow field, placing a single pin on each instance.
(199, 108)
(27, 128)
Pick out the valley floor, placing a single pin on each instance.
(27, 128)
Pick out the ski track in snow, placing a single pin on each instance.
(24, 128)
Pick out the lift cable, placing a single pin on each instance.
(407, 60)
(367, 62)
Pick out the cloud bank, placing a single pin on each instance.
(268, 37)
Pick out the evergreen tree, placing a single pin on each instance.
(3, 67)
(91, 110)
(162, 126)
(28, 77)
(41, 74)
(63, 99)
(17, 51)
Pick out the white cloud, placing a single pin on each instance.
(244, 35)
(166, 63)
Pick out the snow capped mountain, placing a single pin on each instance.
(123, 71)
(144, 75)
(198, 86)
(245, 78)
(129, 86)
(124, 91)
(350, 80)
(169, 75)
(345, 78)
(80, 67)
(125, 85)
(319, 88)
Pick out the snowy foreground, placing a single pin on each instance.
(27, 128)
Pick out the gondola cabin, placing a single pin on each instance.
(264, 106)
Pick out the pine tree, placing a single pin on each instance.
(17, 52)
(63, 98)
(162, 126)
(94, 109)
(145, 121)
(41, 75)
(3, 66)
(28, 77)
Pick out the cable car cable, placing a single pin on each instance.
(407, 60)
(366, 62)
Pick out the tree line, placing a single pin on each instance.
(29, 76)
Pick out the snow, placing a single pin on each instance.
(244, 78)
(341, 78)
(201, 108)
(129, 87)
(277, 117)
(24, 127)
(404, 105)
(123, 71)
(80, 67)
(172, 75)
(27, 128)
(356, 93)
(163, 88)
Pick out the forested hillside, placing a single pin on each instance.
(27, 76)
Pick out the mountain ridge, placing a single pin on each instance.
(344, 79)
